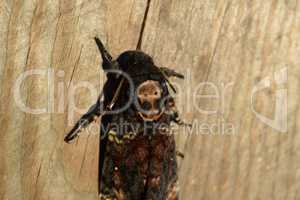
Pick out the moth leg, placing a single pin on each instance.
(93, 114)
(174, 114)
(180, 154)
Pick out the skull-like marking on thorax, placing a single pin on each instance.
(149, 95)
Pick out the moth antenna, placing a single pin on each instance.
(169, 73)
(107, 60)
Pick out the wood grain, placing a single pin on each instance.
(55, 35)
(241, 43)
(232, 45)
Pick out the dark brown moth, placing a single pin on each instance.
(137, 152)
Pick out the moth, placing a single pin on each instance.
(137, 152)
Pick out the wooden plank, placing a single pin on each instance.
(233, 45)
(238, 43)
(55, 35)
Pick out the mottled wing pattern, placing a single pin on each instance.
(144, 167)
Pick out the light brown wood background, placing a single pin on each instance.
(238, 42)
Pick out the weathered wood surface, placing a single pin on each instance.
(238, 42)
